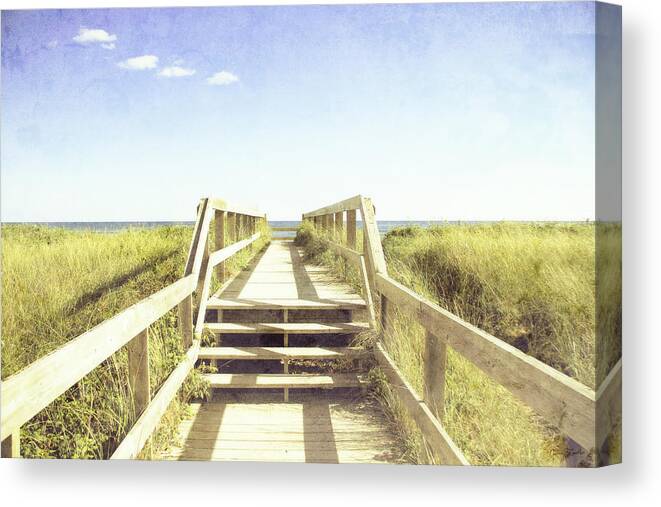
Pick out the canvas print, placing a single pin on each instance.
(377, 234)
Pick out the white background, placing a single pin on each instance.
(637, 482)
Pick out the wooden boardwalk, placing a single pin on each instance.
(310, 428)
(277, 301)
(283, 325)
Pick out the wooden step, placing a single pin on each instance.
(287, 327)
(244, 353)
(282, 380)
(219, 303)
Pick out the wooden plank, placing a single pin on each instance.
(339, 223)
(609, 403)
(26, 393)
(186, 321)
(434, 365)
(221, 303)
(371, 313)
(431, 428)
(286, 456)
(138, 359)
(220, 243)
(348, 204)
(561, 400)
(287, 327)
(200, 234)
(351, 228)
(137, 437)
(374, 250)
(223, 205)
(231, 227)
(196, 236)
(272, 353)
(222, 255)
(11, 445)
(281, 380)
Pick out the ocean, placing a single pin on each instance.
(383, 225)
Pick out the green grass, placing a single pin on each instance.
(59, 283)
(532, 285)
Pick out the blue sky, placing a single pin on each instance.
(436, 111)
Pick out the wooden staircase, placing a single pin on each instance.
(254, 337)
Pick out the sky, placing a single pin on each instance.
(435, 111)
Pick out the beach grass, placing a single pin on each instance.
(532, 285)
(59, 283)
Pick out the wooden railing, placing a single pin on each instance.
(576, 410)
(29, 391)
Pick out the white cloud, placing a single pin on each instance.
(222, 78)
(52, 44)
(95, 35)
(176, 71)
(139, 62)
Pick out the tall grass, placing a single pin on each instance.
(59, 283)
(532, 285)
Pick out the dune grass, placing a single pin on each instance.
(532, 285)
(57, 284)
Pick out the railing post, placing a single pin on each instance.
(238, 223)
(11, 446)
(351, 228)
(339, 223)
(384, 314)
(231, 226)
(186, 321)
(220, 243)
(434, 365)
(138, 352)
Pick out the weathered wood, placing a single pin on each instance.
(281, 380)
(222, 205)
(351, 228)
(200, 235)
(26, 393)
(339, 223)
(203, 273)
(220, 243)
(238, 227)
(431, 428)
(434, 365)
(138, 359)
(609, 403)
(384, 314)
(11, 445)
(273, 353)
(231, 227)
(136, 438)
(197, 229)
(343, 430)
(561, 400)
(353, 303)
(186, 321)
(220, 256)
(374, 251)
(348, 204)
(286, 327)
(371, 313)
